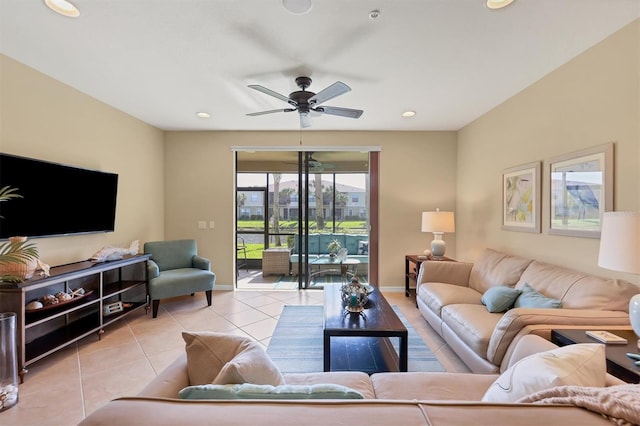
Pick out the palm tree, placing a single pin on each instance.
(15, 250)
(275, 216)
(317, 183)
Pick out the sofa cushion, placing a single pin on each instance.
(500, 299)
(225, 358)
(431, 386)
(579, 365)
(530, 298)
(252, 391)
(473, 324)
(494, 268)
(578, 290)
(438, 295)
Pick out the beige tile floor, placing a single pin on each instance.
(65, 387)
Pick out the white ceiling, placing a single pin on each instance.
(163, 60)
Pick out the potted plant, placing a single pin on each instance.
(18, 257)
(333, 247)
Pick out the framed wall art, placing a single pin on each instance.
(521, 198)
(581, 190)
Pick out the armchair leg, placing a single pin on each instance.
(208, 293)
(156, 304)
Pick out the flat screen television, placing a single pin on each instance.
(56, 199)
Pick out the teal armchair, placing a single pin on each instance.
(175, 269)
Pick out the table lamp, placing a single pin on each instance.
(438, 223)
(620, 251)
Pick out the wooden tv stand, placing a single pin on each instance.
(44, 331)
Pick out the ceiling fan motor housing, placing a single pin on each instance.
(301, 99)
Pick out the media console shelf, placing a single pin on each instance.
(43, 331)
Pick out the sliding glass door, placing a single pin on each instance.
(296, 210)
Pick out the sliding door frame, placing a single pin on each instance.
(374, 199)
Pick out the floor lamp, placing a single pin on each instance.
(620, 251)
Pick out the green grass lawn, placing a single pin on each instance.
(254, 250)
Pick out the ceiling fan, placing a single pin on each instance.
(306, 102)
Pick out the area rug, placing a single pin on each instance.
(296, 344)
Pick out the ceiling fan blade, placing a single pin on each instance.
(305, 120)
(271, 111)
(342, 112)
(272, 93)
(336, 89)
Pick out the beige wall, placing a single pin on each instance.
(417, 172)
(45, 119)
(589, 101)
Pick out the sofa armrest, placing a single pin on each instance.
(170, 381)
(153, 270)
(514, 320)
(200, 262)
(442, 271)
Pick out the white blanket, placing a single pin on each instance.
(620, 403)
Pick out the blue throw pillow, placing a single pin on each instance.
(531, 298)
(500, 298)
(251, 391)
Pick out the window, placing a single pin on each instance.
(354, 198)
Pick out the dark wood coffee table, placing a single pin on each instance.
(378, 321)
(618, 363)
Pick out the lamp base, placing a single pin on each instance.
(438, 246)
(634, 314)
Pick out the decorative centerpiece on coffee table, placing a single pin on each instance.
(354, 296)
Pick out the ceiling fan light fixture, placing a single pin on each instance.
(297, 7)
(63, 8)
(498, 4)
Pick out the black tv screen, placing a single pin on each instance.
(56, 199)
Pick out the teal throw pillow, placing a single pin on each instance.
(531, 298)
(251, 391)
(500, 298)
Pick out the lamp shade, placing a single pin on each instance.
(620, 242)
(438, 222)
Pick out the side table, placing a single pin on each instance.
(275, 261)
(618, 363)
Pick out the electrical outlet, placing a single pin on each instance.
(202, 224)
(212, 224)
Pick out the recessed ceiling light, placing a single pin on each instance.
(203, 114)
(63, 7)
(297, 7)
(409, 114)
(498, 4)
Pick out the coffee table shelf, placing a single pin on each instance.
(378, 321)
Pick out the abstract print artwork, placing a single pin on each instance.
(521, 198)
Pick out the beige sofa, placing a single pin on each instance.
(449, 297)
(390, 398)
